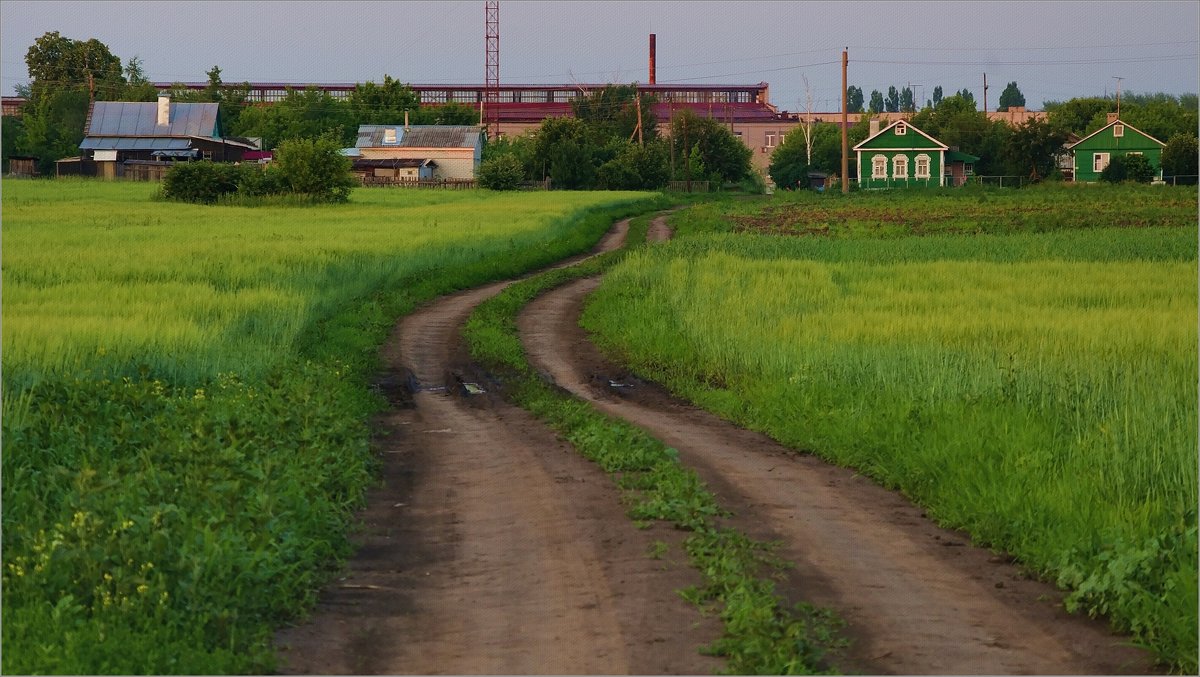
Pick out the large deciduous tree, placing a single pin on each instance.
(877, 103)
(1033, 149)
(724, 157)
(1179, 158)
(854, 99)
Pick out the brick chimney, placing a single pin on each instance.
(874, 126)
(651, 58)
(164, 110)
(1112, 117)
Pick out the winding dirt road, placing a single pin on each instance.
(492, 547)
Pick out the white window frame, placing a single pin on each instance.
(901, 129)
(1099, 161)
(1118, 130)
(900, 166)
(771, 136)
(922, 173)
(879, 167)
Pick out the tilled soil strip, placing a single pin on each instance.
(492, 547)
(918, 599)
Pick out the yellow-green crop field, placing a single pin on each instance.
(1037, 389)
(185, 397)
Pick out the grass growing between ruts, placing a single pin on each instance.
(763, 635)
(1037, 389)
(185, 402)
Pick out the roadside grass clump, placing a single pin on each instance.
(1038, 390)
(187, 396)
(763, 635)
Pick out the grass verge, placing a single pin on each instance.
(763, 633)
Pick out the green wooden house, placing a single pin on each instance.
(901, 155)
(1094, 151)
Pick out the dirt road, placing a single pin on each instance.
(918, 599)
(492, 547)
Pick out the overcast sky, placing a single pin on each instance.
(1053, 50)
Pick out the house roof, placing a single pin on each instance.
(133, 143)
(959, 156)
(883, 131)
(1114, 122)
(137, 118)
(419, 136)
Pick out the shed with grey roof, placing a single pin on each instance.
(454, 150)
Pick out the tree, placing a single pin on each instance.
(854, 99)
(1179, 158)
(937, 96)
(724, 157)
(635, 167)
(613, 111)
(56, 63)
(892, 102)
(138, 87)
(372, 104)
(877, 103)
(305, 114)
(503, 172)
(445, 114)
(789, 164)
(966, 95)
(1076, 115)
(316, 168)
(1033, 149)
(1011, 97)
(907, 103)
(1128, 168)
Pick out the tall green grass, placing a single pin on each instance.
(1037, 390)
(186, 395)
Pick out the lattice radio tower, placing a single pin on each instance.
(491, 78)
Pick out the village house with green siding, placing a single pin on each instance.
(900, 155)
(1094, 151)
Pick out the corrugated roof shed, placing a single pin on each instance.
(129, 118)
(419, 136)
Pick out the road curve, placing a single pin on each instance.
(917, 599)
(491, 547)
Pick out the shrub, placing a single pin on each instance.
(1179, 158)
(503, 172)
(1128, 168)
(203, 181)
(315, 167)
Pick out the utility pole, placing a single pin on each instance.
(985, 108)
(845, 133)
(1118, 94)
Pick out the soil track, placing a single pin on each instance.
(918, 599)
(492, 547)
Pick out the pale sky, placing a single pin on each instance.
(1053, 50)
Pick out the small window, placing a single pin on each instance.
(900, 167)
(901, 129)
(771, 136)
(922, 166)
(1118, 130)
(389, 135)
(879, 167)
(1099, 161)
(208, 155)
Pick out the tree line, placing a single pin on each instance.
(1031, 149)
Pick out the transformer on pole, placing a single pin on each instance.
(491, 79)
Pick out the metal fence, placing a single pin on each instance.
(447, 184)
(1181, 180)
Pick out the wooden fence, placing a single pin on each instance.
(389, 182)
(688, 186)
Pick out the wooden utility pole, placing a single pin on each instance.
(845, 131)
(1118, 94)
(985, 108)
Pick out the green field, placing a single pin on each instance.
(1032, 382)
(186, 396)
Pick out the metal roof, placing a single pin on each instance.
(137, 118)
(134, 143)
(419, 136)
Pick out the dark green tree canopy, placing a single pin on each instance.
(1011, 97)
(723, 155)
(613, 112)
(854, 99)
(1179, 158)
(877, 103)
(373, 104)
(55, 63)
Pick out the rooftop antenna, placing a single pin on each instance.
(1118, 79)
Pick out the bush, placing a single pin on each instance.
(203, 181)
(503, 172)
(1179, 158)
(315, 167)
(1128, 168)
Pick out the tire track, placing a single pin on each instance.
(918, 599)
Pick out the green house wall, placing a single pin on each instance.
(1104, 142)
(867, 181)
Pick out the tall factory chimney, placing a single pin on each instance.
(651, 58)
